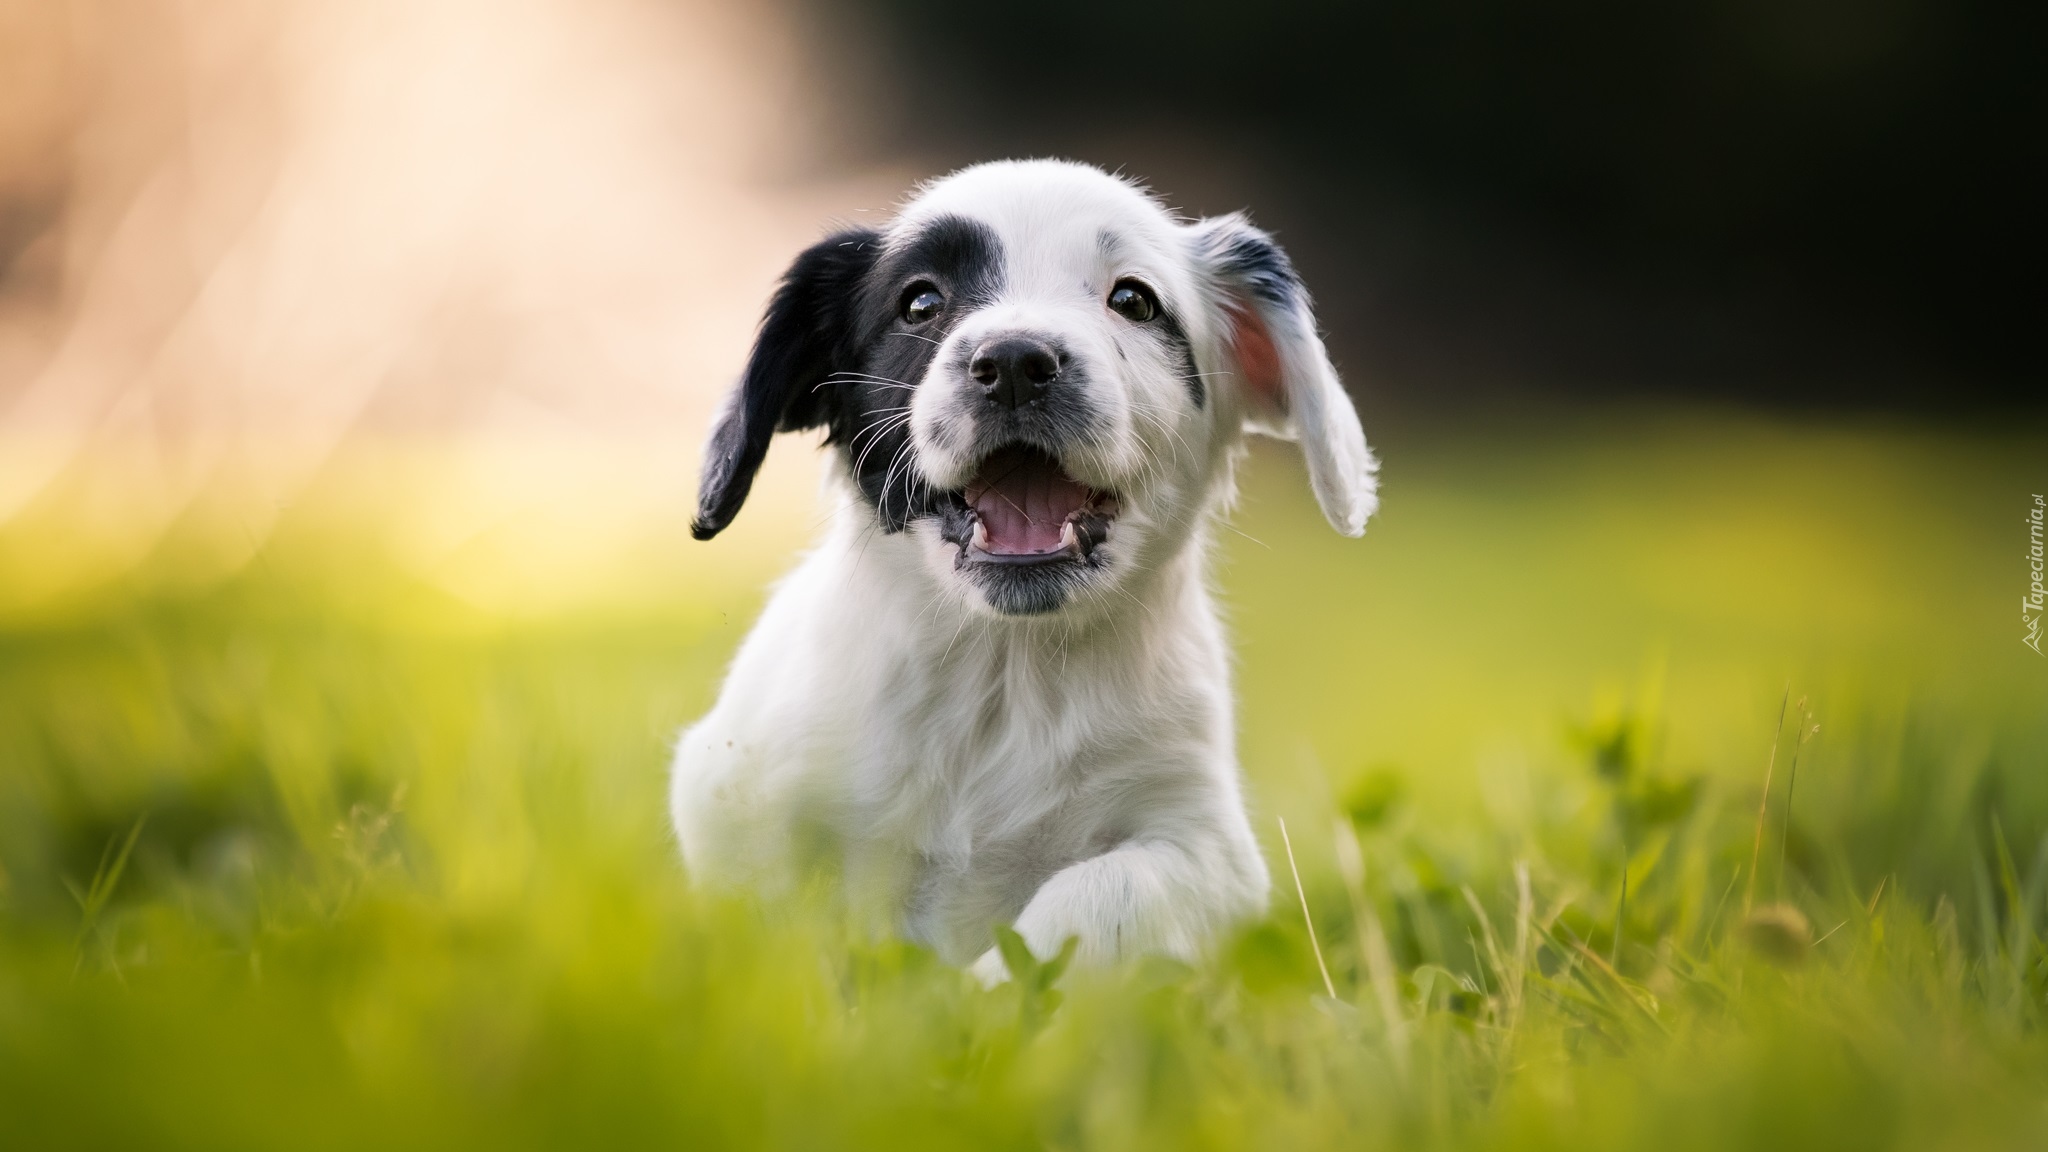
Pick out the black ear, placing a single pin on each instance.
(806, 336)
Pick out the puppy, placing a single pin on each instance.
(997, 691)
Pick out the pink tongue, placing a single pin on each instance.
(1023, 499)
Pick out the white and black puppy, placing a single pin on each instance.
(998, 690)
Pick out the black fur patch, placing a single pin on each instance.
(1249, 258)
(833, 351)
(805, 337)
(964, 261)
(1176, 337)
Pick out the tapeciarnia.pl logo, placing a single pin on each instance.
(2031, 605)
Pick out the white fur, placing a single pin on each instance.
(1075, 771)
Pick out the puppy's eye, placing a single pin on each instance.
(921, 302)
(1133, 301)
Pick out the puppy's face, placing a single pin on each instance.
(1038, 352)
(1038, 373)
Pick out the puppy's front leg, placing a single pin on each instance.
(1140, 898)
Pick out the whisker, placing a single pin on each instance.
(880, 432)
(889, 477)
(862, 378)
(888, 473)
(875, 433)
(880, 426)
(1241, 532)
(1153, 414)
(849, 374)
(879, 429)
(870, 383)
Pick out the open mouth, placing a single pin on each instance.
(1025, 509)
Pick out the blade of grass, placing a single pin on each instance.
(1524, 909)
(1756, 852)
(1306, 918)
(105, 879)
(1379, 960)
(1620, 911)
(1807, 730)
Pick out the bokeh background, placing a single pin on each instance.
(245, 246)
(354, 362)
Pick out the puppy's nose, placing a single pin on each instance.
(1014, 370)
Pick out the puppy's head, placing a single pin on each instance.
(1037, 375)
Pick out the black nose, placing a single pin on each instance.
(1014, 370)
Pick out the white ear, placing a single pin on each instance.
(1279, 368)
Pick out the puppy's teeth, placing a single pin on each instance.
(1069, 539)
(980, 535)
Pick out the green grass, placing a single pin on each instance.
(318, 856)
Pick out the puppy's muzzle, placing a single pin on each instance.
(1014, 371)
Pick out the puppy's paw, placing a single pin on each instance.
(989, 969)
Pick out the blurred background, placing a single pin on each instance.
(355, 356)
(250, 246)
(244, 246)
(1822, 201)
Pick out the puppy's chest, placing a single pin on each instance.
(976, 819)
(989, 767)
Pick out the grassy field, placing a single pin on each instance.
(324, 855)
